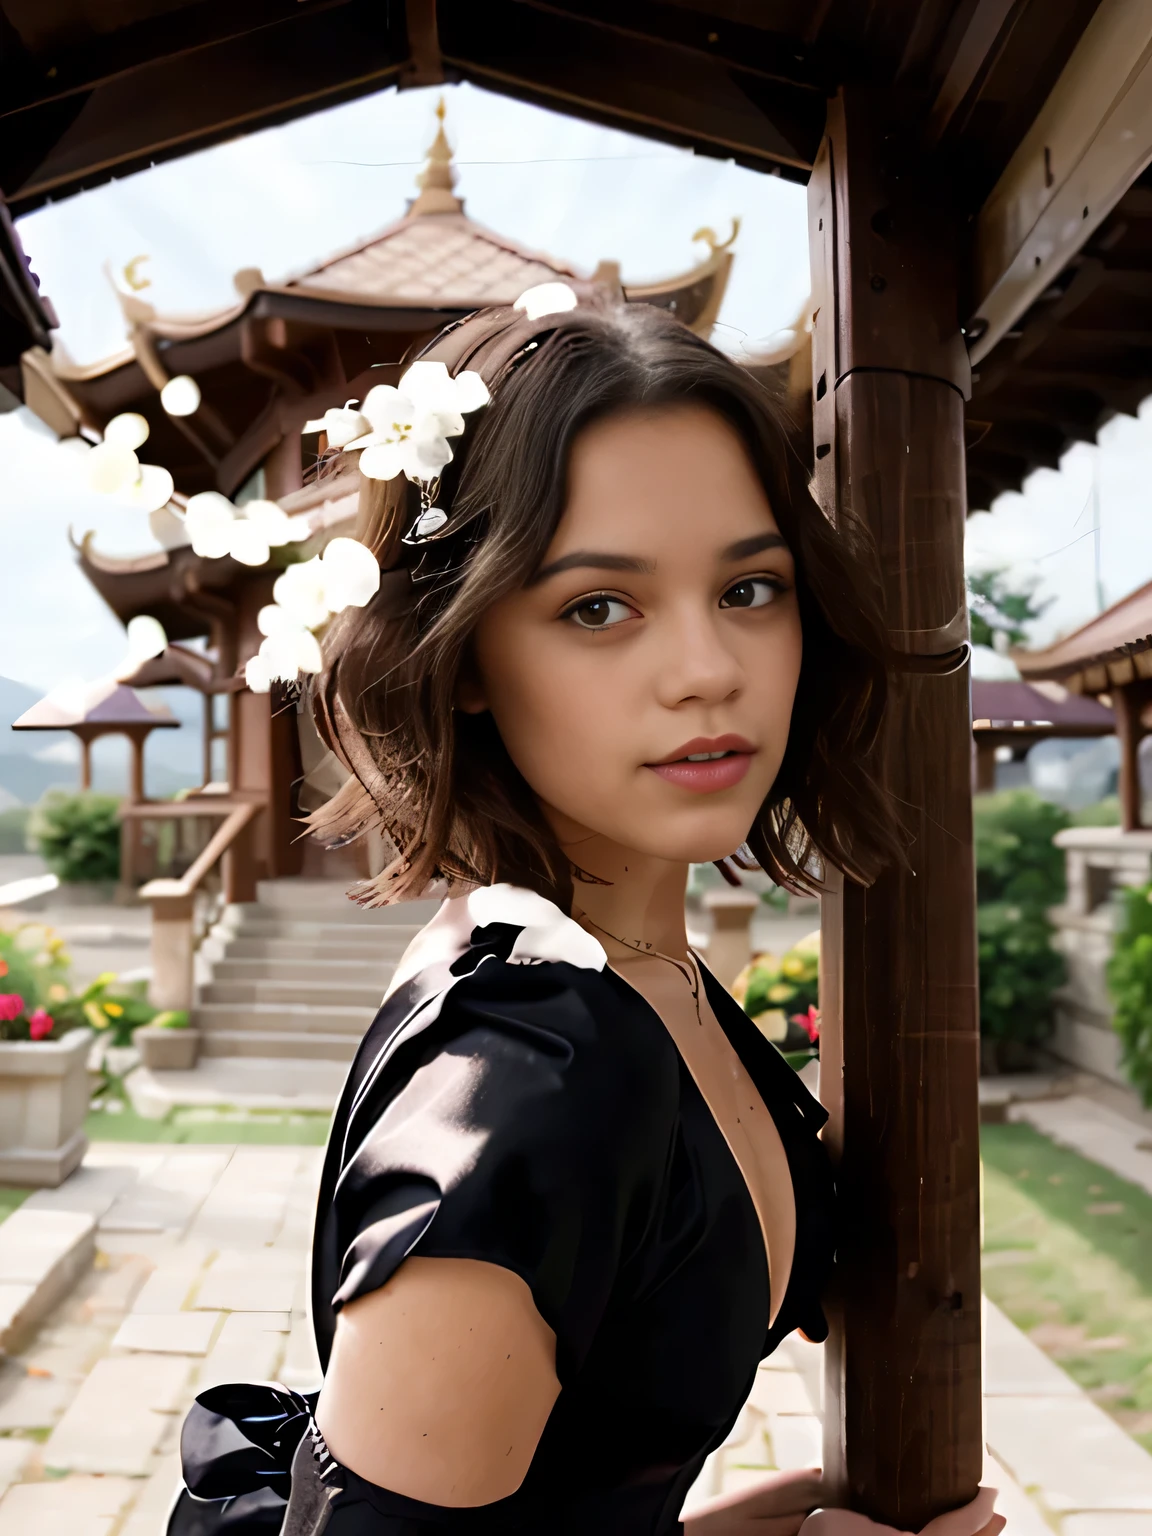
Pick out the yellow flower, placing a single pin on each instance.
(792, 965)
(95, 1016)
(780, 993)
(772, 1023)
(57, 992)
(113, 1010)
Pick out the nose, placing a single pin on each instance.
(694, 664)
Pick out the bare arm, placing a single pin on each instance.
(440, 1383)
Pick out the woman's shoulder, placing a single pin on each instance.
(500, 972)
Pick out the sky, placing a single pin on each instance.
(282, 199)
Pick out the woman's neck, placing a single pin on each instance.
(641, 899)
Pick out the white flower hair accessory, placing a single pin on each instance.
(112, 468)
(409, 426)
(249, 533)
(346, 575)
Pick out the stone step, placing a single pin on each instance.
(367, 972)
(320, 995)
(279, 1047)
(298, 895)
(282, 1019)
(393, 940)
(305, 949)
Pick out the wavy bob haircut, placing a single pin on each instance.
(439, 782)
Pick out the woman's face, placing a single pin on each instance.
(643, 680)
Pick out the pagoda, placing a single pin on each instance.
(259, 369)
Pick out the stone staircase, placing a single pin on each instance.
(299, 973)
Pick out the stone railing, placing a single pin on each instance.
(1098, 862)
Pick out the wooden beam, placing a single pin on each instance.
(1090, 141)
(902, 1419)
(1127, 701)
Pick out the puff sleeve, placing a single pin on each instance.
(527, 1129)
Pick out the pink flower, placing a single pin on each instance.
(11, 1006)
(809, 1021)
(40, 1024)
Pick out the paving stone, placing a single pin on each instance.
(264, 1280)
(1096, 1132)
(14, 1456)
(1072, 1450)
(109, 1290)
(250, 1347)
(90, 1188)
(780, 1392)
(1014, 1366)
(797, 1440)
(168, 1333)
(1110, 1523)
(150, 1511)
(301, 1367)
(168, 1287)
(117, 1418)
(42, 1255)
(1022, 1515)
(76, 1506)
(246, 1206)
(31, 1402)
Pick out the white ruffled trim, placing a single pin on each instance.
(547, 934)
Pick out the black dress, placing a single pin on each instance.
(515, 1101)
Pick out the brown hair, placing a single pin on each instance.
(438, 781)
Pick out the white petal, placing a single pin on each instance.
(208, 519)
(273, 523)
(384, 404)
(428, 456)
(546, 299)
(471, 391)
(247, 543)
(299, 527)
(112, 468)
(130, 430)
(146, 638)
(351, 574)
(300, 590)
(447, 423)
(273, 620)
(181, 396)
(429, 386)
(384, 461)
(151, 491)
(257, 674)
(290, 653)
(341, 426)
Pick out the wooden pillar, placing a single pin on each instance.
(136, 741)
(903, 1439)
(209, 735)
(1129, 731)
(85, 763)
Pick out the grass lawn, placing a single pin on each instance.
(1068, 1256)
(277, 1127)
(10, 1199)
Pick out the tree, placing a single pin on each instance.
(994, 608)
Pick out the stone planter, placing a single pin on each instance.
(167, 1050)
(43, 1101)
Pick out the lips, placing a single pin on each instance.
(721, 762)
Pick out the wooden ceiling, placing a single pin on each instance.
(95, 92)
(91, 92)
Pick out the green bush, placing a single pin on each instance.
(1019, 875)
(78, 835)
(1019, 970)
(1016, 860)
(1130, 985)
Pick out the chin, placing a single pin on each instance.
(716, 838)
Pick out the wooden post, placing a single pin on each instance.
(172, 945)
(903, 1439)
(1126, 702)
(85, 763)
(985, 766)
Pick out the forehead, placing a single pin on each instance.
(674, 478)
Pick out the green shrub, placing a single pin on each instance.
(1019, 970)
(78, 835)
(1129, 975)
(1104, 813)
(1016, 860)
(14, 829)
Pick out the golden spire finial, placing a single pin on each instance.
(438, 177)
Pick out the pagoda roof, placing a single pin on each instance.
(106, 703)
(1110, 650)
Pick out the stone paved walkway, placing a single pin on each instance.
(200, 1278)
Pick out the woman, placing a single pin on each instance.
(572, 1197)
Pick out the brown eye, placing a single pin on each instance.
(599, 612)
(755, 592)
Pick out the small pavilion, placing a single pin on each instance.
(92, 710)
(1015, 716)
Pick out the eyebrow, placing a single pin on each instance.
(599, 560)
(592, 559)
